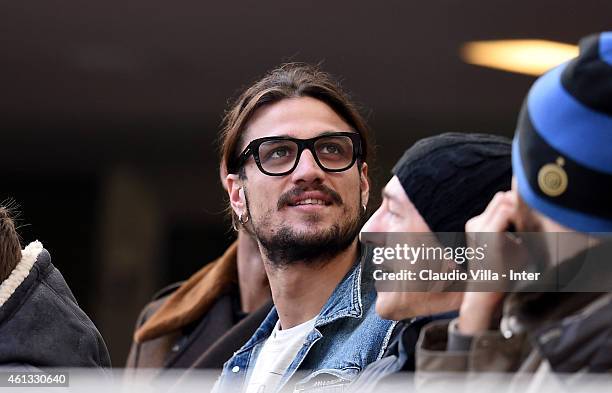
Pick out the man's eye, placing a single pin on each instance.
(279, 153)
(331, 149)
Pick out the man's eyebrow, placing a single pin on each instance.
(275, 136)
(330, 132)
(285, 135)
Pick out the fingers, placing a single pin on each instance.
(477, 309)
(500, 220)
(498, 215)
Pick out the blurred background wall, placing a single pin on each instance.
(109, 113)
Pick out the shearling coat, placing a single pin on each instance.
(41, 323)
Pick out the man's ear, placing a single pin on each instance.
(364, 184)
(235, 192)
(223, 176)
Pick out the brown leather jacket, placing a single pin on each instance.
(185, 320)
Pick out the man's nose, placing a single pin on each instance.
(307, 169)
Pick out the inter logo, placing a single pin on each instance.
(552, 178)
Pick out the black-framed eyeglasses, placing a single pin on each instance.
(279, 155)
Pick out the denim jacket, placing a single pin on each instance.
(347, 336)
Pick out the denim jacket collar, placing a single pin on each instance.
(345, 301)
(359, 338)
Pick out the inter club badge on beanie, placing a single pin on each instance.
(562, 148)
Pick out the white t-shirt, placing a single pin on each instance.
(276, 355)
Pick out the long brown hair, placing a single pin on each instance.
(10, 249)
(290, 80)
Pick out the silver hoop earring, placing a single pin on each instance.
(242, 220)
(365, 208)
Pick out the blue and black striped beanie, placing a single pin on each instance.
(562, 149)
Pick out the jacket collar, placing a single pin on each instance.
(193, 298)
(530, 309)
(345, 301)
(28, 257)
(574, 343)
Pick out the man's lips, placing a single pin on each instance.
(316, 197)
(309, 198)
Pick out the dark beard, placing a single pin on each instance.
(286, 247)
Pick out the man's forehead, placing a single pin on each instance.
(296, 133)
(302, 117)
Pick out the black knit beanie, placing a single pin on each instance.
(452, 177)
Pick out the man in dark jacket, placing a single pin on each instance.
(41, 324)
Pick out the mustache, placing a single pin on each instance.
(285, 199)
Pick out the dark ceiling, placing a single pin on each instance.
(92, 81)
